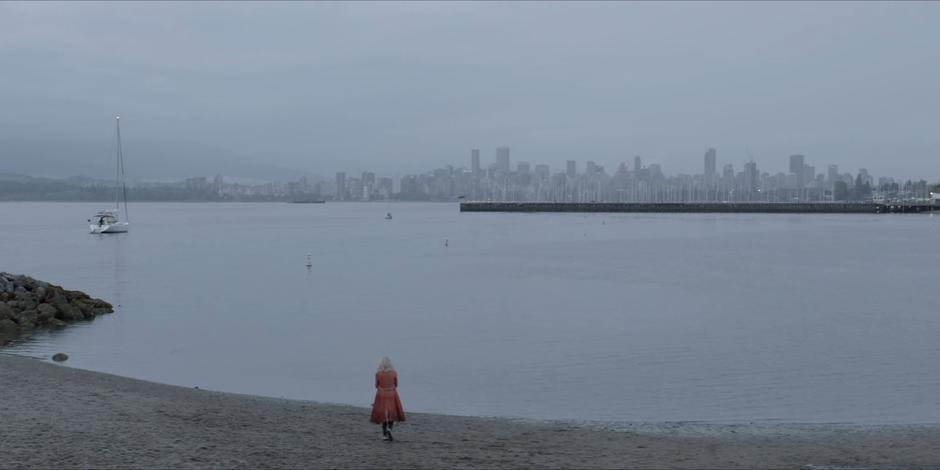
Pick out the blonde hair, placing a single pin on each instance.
(386, 365)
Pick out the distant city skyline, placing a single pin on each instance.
(506, 179)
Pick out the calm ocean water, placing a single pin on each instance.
(811, 318)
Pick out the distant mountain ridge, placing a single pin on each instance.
(144, 161)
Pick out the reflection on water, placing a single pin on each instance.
(612, 317)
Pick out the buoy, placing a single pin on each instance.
(445, 242)
(309, 262)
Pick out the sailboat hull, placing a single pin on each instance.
(119, 227)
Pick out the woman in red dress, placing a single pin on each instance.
(386, 409)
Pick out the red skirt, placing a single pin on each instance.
(387, 407)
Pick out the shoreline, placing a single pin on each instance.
(57, 416)
(838, 207)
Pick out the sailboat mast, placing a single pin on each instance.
(120, 169)
(117, 166)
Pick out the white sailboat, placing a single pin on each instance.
(108, 221)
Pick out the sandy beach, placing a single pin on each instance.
(56, 416)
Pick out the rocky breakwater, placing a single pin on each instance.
(27, 303)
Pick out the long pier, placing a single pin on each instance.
(704, 207)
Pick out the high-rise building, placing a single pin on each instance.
(727, 172)
(523, 167)
(832, 175)
(710, 166)
(637, 164)
(797, 167)
(502, 159)
(656, 171)
(341, 186)
(475, 163)
(571, 170)
(368, 185)
(217, 184)
(542, 171)
(385, 187)
(751, 178)
(590, 168)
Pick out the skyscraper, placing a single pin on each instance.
(656, 171)
(637, 165)
(368, 184)
(797, 167)
(571, 170)
(475, 163)
(710, 166)
(590, 168)
(833, 174)
(751, 178)
(542, 171)
(341, 185)
(502, 159)
(727, 172)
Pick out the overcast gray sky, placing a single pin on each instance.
(399, 88)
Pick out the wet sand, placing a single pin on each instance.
(56, 416)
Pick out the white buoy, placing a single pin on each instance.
(309, 261)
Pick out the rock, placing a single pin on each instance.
(67, 312)
(31, 315)
(88, 313)
(26, 303)
(6, 312)
(46, 312)
(23, 296)
(7, 325)
(74, 295)
(60, 357)
(98, 303)
(56, 297)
